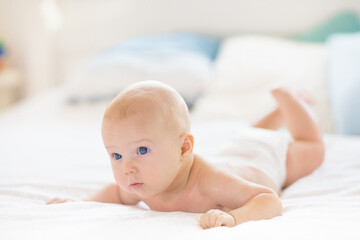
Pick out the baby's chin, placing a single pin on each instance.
(141, 191)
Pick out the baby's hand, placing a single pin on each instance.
(59, 200)
(216, 218)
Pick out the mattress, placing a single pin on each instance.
(52, 149)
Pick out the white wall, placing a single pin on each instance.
(46, 58)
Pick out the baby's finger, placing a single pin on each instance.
(51, 201)
(201, 222)
(208, 221)
(204, 221)
(59, 200)
(213, 218)
(219, 221)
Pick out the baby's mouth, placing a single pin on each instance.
(136, 185)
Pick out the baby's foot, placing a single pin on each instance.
(306, 96)
(302, 94)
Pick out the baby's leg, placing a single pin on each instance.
(272, 120)
(306, 151)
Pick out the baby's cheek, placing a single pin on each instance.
(122, 183)
(117, 176)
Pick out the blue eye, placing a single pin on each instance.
(142, 150)
(117, 156)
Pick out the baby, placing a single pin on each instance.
(146, 132)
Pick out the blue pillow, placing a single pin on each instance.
(201, 44)
(344, 82)
(346, 22)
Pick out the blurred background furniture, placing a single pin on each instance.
(10, 87)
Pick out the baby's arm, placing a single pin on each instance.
(247, 200)
(111, 193)
(262, 206)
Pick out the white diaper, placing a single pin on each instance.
(261, 148)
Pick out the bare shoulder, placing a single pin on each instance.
(226, 188)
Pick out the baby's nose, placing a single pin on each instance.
(129, 167)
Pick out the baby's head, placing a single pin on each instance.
(146, 132)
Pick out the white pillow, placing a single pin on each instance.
(246, 69)
(182, 60)
(103, 79)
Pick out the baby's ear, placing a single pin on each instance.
(187, 145)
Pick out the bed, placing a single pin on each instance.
(56, 150)
(50, 144)
(52, 148)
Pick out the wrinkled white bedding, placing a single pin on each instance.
(48, 149)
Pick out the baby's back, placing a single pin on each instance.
(249, 173)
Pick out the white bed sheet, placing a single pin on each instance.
(48, 149)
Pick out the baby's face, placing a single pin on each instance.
(145, 157)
